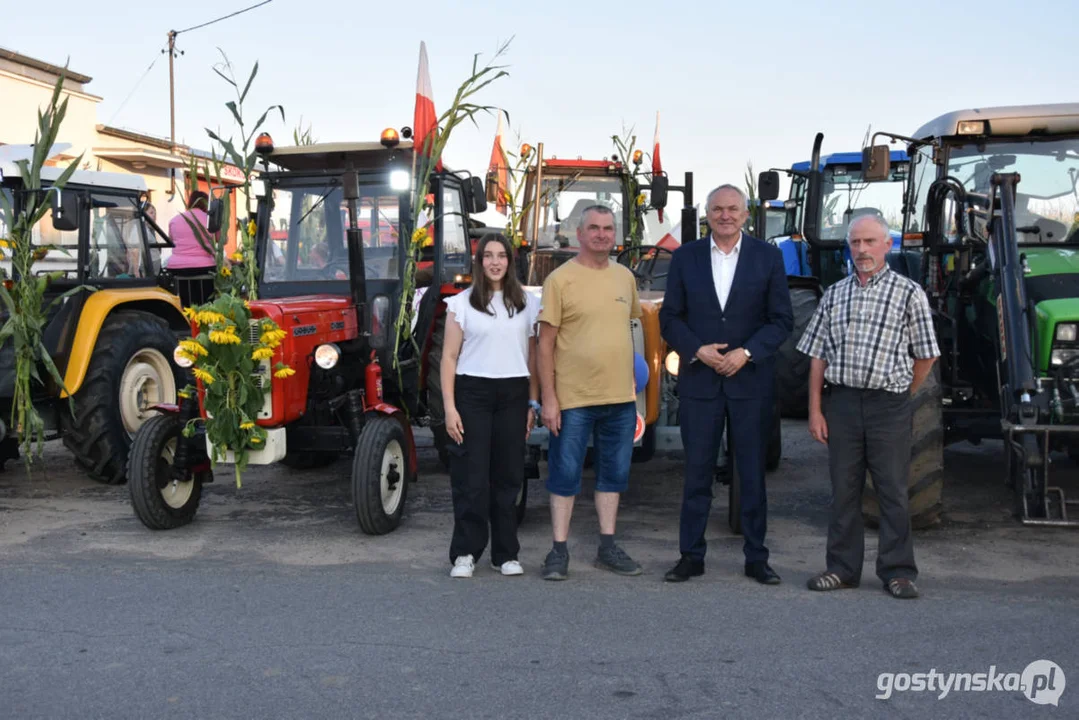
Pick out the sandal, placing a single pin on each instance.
(829, 581)
(901, 588)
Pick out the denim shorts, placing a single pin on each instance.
(611, 429)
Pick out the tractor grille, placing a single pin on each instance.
(263, 373)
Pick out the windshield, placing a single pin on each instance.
(1046, 199)
(563, 201)
(845, 196)
(307, 232)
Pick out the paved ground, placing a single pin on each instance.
(273, 604)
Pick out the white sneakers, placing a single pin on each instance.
(465, 565)
(510, 567)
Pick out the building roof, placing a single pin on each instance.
(33, 63)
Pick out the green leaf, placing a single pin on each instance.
(251, 79)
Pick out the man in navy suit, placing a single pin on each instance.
(726, 311)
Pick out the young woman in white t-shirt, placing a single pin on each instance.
(490, 389)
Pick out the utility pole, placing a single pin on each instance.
(172, 109)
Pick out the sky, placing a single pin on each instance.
(733, 82)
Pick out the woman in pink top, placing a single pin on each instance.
(188, 251)
(189, 258)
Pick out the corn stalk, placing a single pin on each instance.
(461, 109)
(23, 295)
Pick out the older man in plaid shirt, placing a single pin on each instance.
(872, 340)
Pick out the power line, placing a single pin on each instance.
(226, 17)
(137, 83)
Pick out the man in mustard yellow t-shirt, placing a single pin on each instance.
(586, 375)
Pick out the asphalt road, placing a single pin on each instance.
(273, 604)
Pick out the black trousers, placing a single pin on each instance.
(487, 469)
(702, 423)
(869, 430)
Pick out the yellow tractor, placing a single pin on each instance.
(112, 343)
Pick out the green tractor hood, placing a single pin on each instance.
(1053, 286)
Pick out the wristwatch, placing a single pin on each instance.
(535, 406)
(749, 355)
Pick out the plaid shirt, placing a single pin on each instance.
(869, 336)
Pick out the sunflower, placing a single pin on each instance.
(263, 353)
(284, 373)
(204, 376)
(209, 317)
(248, 425)
(225, 337)
(236, 257)
(193, 347)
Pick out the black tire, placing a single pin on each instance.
(774, 452)
(925, 486)
(522, 502)
(434, 393)
(159, 502)
(381, 458)
(97, 435)
(792, 367)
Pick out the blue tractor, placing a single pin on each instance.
(814, 263)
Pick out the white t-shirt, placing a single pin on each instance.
(494, 346)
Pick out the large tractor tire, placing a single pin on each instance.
(130, 370)
(434, 392)
(380, 475)
(925, 486)
(160, 501)
(792, 367)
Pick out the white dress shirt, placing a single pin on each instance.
(723, 267)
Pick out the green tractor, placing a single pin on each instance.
(992, 204)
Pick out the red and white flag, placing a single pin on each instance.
(425, 119)
(657, 166)
(500, 167)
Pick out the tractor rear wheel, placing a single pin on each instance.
(434, 392)
(160, 501)
(380, 475)
(925, 486)
(130, 369)
(792, 367)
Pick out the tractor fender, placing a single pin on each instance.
(399, 416)
(99, 305)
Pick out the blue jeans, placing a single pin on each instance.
(611, 429)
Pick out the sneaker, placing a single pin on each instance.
(463, 567)
(616, 560)
(556, 566)
(510, 567)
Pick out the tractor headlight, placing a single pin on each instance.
(326, 356)
(1066, 332)
(671, 363)
(400, 180)
(181, 358)
(1059, 356)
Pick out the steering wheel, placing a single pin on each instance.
(644, 269)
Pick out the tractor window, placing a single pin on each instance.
(846, 196)
(308, 234)
(1047, 196)
(116, 239)
(924, 173)
(563, 202)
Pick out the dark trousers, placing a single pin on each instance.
(702, 423)
(487, 469)
(869, 430)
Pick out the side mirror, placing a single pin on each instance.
(876, 163)
(660, 186)
(379, 337)
(768, 186)
(214, 216)
(65, 210)
(475, 195)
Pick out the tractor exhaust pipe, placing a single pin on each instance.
(356, 268)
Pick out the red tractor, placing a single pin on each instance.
(336, 292)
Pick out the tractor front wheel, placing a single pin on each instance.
(161, 501)
(380, 475)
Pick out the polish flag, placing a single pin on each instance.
(657, 166)
(425, 119)
(500, 166)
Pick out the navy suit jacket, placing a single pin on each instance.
(758, 317)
